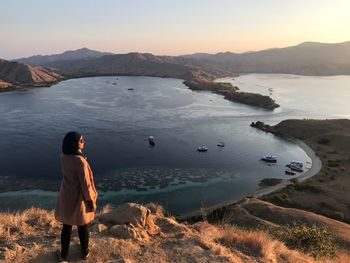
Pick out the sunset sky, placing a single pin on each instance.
(165, 27)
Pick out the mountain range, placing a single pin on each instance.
(308, 58)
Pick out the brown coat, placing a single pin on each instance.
(77, 187)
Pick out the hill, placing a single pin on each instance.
(327, 192)
(309, 58)
(124, 64)
(134, 233)
(82, 53)
(14, 74)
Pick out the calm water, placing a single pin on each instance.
(117, 121)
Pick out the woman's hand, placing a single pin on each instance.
(90, 206)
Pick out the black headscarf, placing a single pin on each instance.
(70, 144)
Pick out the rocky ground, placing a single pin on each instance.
(134, 233)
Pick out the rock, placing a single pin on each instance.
(98, 228)
(123, 231)
(168, 225)
(129, 213)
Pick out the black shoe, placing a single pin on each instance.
(59, 258)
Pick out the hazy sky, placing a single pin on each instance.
(164, 27)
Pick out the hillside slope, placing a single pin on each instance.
(134, 233)
(19, 74)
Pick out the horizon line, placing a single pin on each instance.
(199, 52)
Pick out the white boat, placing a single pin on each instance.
(297, 163)
(269, 158)
(221, 144)
(151, 140)
(202, 148)
(295, 168)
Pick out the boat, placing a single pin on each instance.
(202, 148)
(289, 172)
(297, 163)
(221, 144)
(269, 159)
(130, 89)
(296, 168)
(151, 140)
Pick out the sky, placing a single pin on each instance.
(165, 27)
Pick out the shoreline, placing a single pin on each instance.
(314, 169)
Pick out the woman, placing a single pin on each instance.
(76, 203)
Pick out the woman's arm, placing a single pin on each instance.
(85, 183)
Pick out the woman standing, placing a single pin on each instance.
(76, 203)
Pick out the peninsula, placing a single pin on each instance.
(327, 192)
(200, 81)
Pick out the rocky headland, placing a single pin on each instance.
(16, 74)
(200, 81)
(5, 85)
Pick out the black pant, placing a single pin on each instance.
(65, 239)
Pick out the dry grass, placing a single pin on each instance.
(30, 221)
(156, 209)
(261, 246)
(172, 242)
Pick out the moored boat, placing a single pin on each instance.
(269, 159)
(221, 144)
(297, 163)
(295, 168)
(202, 148)
(151, 140)
(289, 172)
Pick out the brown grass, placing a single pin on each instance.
(30, 221)
(260, 245)
(28, 241)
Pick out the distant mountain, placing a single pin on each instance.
(197, 55)
(142, 64)
(18, 74)
(221, 56)
(83, 53)
(309, 58)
